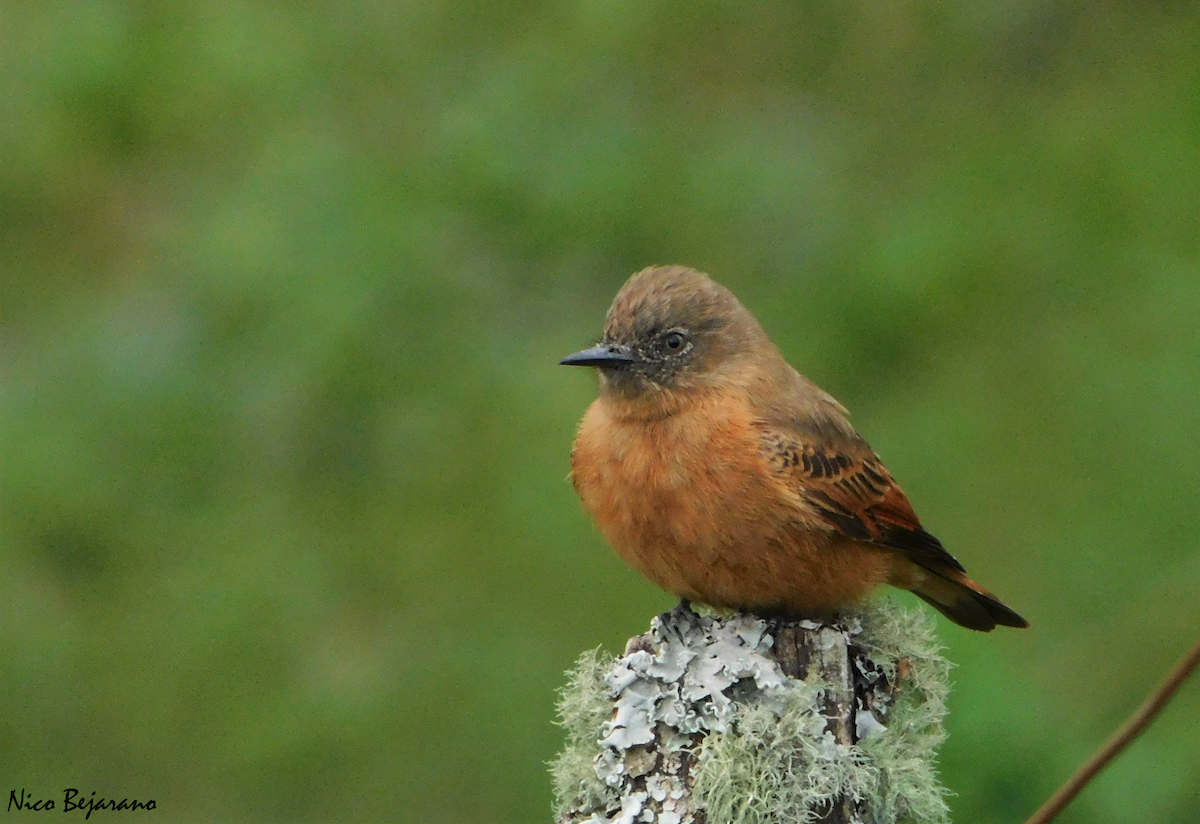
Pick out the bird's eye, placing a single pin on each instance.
(673, 341)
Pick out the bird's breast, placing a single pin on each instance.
(674, 496)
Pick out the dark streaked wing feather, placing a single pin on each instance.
(850, 490)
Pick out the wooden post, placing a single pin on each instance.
(823, 655)
(733, 720)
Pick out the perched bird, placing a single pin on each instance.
(726, 477)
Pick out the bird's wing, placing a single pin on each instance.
(848, 488)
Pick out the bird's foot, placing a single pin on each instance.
(679, 614)
(683, 606)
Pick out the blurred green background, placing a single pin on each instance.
(285, 531)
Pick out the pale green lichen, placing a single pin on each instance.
(776, 768)
(908, 788)
(583, 707)
(766, 758)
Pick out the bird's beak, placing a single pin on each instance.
(603, 354)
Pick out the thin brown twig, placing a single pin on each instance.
(1130, 730)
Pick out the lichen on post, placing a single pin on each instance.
(710, 719)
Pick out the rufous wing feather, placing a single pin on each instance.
(850, 490)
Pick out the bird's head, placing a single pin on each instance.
(671, 331)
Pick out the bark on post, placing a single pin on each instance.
(733, 720)
(823, 655)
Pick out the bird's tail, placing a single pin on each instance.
(963, 601)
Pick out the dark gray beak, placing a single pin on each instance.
(603, 354)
